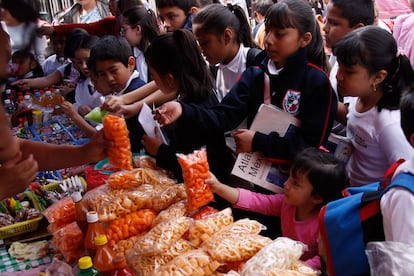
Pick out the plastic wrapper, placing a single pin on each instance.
(136, 177)
(60, 213)
(130, 225)
(201, 230)
(168, 196)
(69, 241)
(204, 212)
(195, 171)
(101, 195)
(390, 258)
(177, 209)
(194, 262)
(6, 219)
(115, 130)
(145, 265)
(280, 255)
(123, 247)
(162, 236)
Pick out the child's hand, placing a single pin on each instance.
(68, 109)
(213, 182)
(152, 144)
(113, 103)
(168, 113)
(83, 110)
(243, 139)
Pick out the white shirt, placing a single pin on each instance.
(134, 75)
(52, 63)
(378, 142)
(86, 94)
(397, 207)
(141, 64)
(228, 74)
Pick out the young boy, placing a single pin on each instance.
(177, 14)
(112, 60)
(397, 205)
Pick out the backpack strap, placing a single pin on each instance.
(403, 180)
(390, 172)
(252, 53)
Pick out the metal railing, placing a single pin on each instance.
(49, 8)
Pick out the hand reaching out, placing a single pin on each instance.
(168, 113)
(244, 140)
(152, 144)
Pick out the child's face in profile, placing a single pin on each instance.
(23, 65)
(212, 46)
(166, 83)
(354, 81)
(115, 73)
(336, 26)
(173, 17)
(58, 43)
(298, 190)
(80, 59)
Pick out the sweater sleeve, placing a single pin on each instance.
(260, 203)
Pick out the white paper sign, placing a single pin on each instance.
(146, 118)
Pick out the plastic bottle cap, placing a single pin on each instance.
(76, 196)
(100, 240)
(85, 262)
(119, 262)
(92, 216)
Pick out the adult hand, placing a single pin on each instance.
(168, 113)
(95, 149)
(243, 139)
(152, 144)
(17, 174)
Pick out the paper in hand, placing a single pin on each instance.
(146, 118)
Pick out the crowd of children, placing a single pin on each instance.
(194, 62)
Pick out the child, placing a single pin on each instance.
(297, 87)
(403, 33)
(112, 59)
(139, 27)
(27, 65)
(224, 36)
(397, 204)
(315, 178)
(57, 59)
(177, 67)
(376, 76)
(259, 9)
(177, 14)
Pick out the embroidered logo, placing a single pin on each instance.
(291, 102)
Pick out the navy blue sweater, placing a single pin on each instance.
(301, 89)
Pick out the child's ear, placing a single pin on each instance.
(138, 28)
(306, 39)
(356, 26)
(228, 34)
(131, 63)
(171, 81)
(379, 77)
(194, 10)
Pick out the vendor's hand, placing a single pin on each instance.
(23, 84)
(168, 113)
(152, 144)
(96, 148)
(16, 175)
(113, 103)
(83, 110)
(244, 140)
(68, 109)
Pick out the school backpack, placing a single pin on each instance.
(348, 224)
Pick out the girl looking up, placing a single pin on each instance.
(296, 86)
(315, 178)
(177, 66)
(224, 36)
(139, 27)
(376, 76)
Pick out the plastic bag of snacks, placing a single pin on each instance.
(168, 196)
(69, 241)
(115, 130)
(202, 229)
(145, 265)
(136, 177)
(101, 195)
(60, 213)
(162, 236)
(130, 225)
(177, 209)
(195, 171)
(281, 255)
(194, 262)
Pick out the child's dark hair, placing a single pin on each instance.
(298, 14)
(148, 22)
(22, 10)
(375, 49)
(78, 39)
(110, 47)
(21, 55)
(325, 172)
(215, 18)
(184, 5)
(356, 11)
(407, 112)
(178, 53)
(124, 5)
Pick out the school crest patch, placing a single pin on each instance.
(291, 102)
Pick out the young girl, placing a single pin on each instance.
(177, 66)
(316, 177)
(376, 76)
(27, 65)
(139, 27)
(295, 85)
(224, 36)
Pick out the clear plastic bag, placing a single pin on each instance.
(390, 258)
(177, 209)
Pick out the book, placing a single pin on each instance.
(253, 166)
(148, 123)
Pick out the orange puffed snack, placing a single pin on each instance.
(195, 171)
(130, 225)
(115, 130)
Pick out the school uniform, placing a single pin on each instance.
(300, 88)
